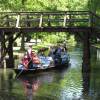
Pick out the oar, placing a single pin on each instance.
(19, 73)
(22, 70)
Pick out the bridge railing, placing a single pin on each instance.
(44, 19)
(95, 20)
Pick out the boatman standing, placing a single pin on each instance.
(29, 54)
(33, 58)
(29, 51)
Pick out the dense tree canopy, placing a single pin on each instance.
(50, 5)
(40, 5)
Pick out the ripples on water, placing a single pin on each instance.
(64, 84)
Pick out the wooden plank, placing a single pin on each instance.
(17, 23)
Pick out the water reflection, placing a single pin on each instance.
(86, 86)
(35, 86)
(30, 86)
(67, 84)
(6, 80)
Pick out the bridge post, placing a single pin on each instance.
(86, 53)
(10, 61)
(1, 49)
(86, 69)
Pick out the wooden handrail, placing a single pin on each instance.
(41, 17)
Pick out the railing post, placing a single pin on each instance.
(40, 23)
(17, 22)
(64, 23)
(49, 24)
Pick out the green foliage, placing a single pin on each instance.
(71, 41)
(49, 5)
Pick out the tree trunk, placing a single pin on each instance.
(2, 51)
(10, 61)
(23, 43)
(86, 53)
(86, 69)
(36, 39)
(86, 84)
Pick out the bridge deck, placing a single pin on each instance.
(46, 29)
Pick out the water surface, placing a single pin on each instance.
(64, 84)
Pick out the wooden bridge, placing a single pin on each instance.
(59, 21)
(46, 21)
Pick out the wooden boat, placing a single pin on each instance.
(37, 70)
(43, 67)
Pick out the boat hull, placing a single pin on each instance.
(38, 70)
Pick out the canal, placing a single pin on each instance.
(66, 84)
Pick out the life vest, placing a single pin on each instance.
(35, 59)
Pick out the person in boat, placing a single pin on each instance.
(57, 55)
(51, 51)
(35, 60)
(65, 56)
(29, 52)
(29, 55)
(24, 63)
(57, 52)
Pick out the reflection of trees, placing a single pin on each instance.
(10, 82)
(86, 82)
(6, 86)
(6, 82)
(2, 82)
(91, 79)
